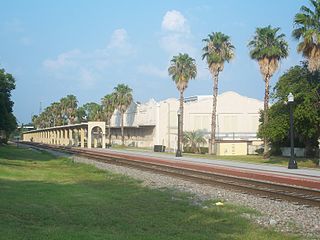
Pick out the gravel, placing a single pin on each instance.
(280, 215)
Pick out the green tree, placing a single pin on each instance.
(268, 48)
(182, 69)
(305, 87)
(69, 106)
(8, 121)
(194, 139)
(81, 115)
(93, 111)
(217, 50)
(108, 107)
(307, 30)
(122, 99)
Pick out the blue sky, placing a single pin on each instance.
(85, 48)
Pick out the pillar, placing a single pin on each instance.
(82, 138)
(70, 137)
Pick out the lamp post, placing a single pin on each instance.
(178, 153)
(292, 162)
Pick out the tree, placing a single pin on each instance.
(268, 48)
(93, 111)
(305, 87)
(108, 107)
(194, 139)
(69, 108)
(56, 110)
(122, 99)
(81, 115)
(8, 121)
(217, 50)
(307, 29)
(182, 69)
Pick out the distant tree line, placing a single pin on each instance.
(66, 111)
(8, 121)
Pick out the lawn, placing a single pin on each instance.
(44, 197)
(274, 160)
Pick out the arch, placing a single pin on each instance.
(101, 127)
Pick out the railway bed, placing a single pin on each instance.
(267, 185)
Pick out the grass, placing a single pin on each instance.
(43, 197)
(273, 160)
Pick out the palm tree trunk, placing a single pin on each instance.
(265, 115)
(214, 111)
(122, 130)
(181, 116)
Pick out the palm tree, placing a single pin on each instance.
(93, 111)
(194, 139)
(217, 51)
(69, 108)
(56, 114)
(307, 29)
(182, 69)
(108, 105)
(122, 98)
(268, 48)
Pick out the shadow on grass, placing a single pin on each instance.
(308, 162)
(12, 152)
(117, 210)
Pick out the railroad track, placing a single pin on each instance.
(278, 192)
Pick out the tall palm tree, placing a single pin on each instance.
(268, 48)
(182, 69)
(217, 50)
(108, 105)
(122, 98)
(307, 29)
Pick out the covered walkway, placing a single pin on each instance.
(89, 134)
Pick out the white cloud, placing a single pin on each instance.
(176, 36)
(152, 70)
(176, 43)
(174, 21)
(89, 67)
(118, 38)
(119, 41)
(66, 59)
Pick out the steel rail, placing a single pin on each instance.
(265, 189)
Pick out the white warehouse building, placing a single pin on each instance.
(155, 123)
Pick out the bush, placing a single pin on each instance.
(188, 150)
(259, 151)
(204, 150)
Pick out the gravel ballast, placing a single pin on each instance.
(281, 215)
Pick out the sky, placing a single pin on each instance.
(87, 47)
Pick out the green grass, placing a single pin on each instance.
(43, 197)
(274, 160)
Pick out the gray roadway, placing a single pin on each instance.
(301, 172)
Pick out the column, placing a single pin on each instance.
(82, 138)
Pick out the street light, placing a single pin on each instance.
(292, 162)
(178, 153)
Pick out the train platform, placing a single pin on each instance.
(304, 177)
